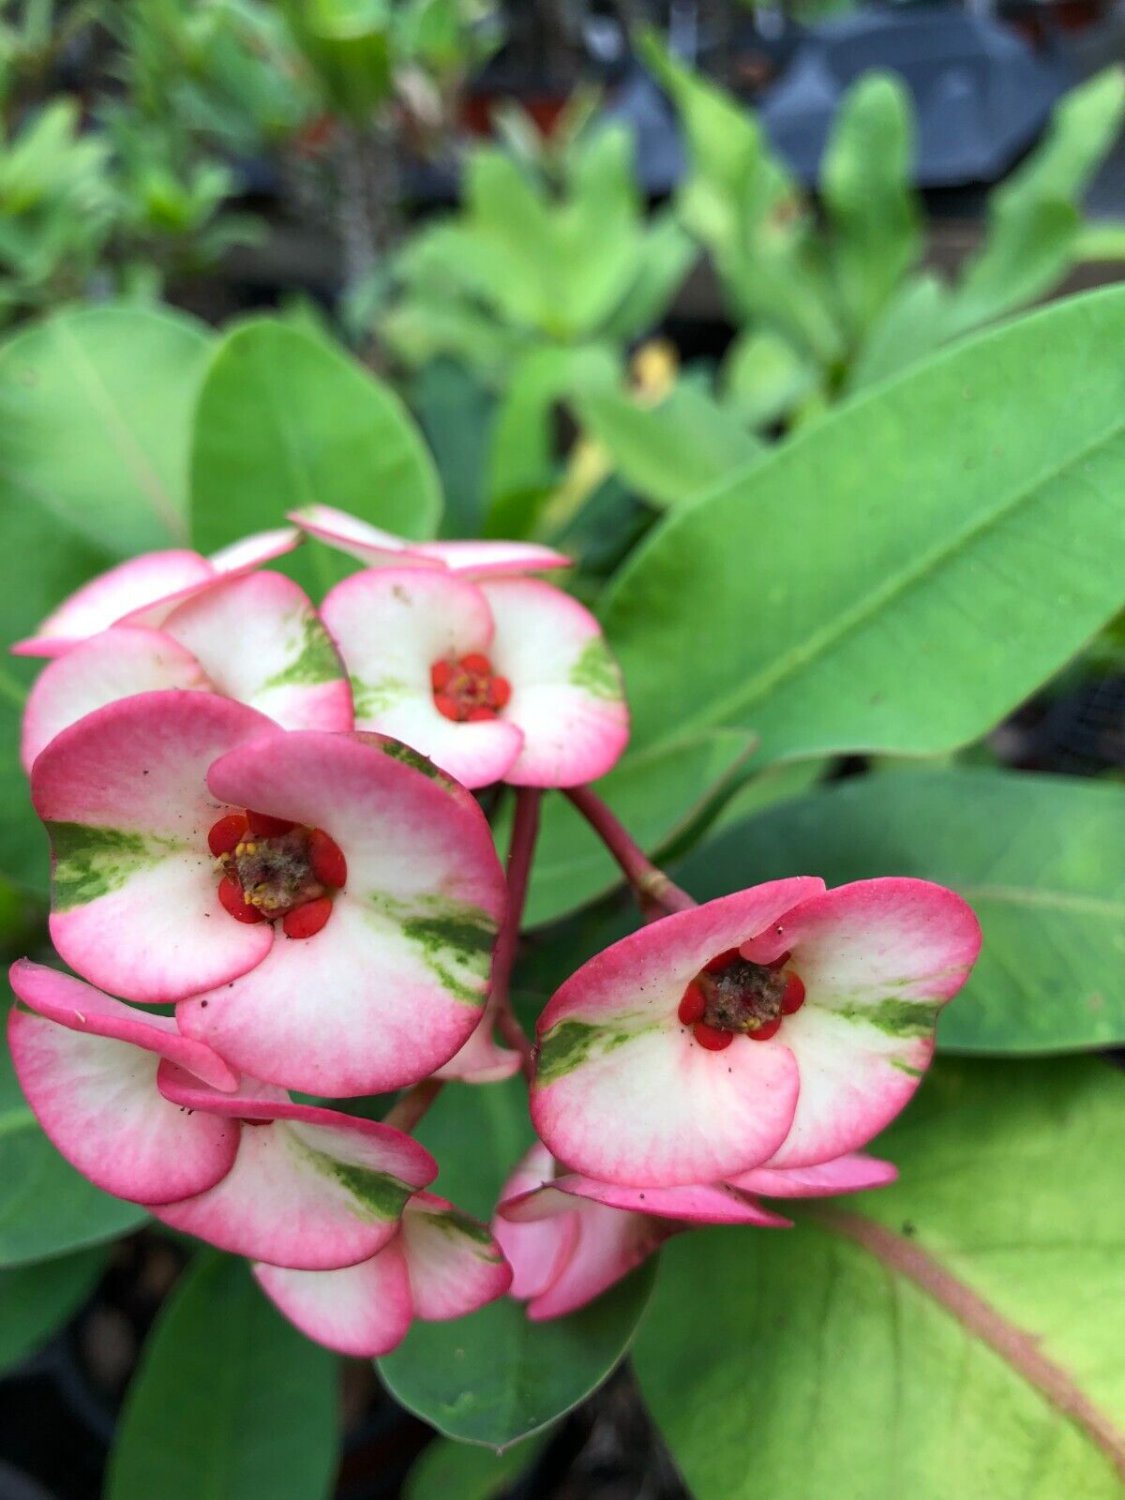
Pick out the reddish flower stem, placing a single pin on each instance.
(406, 1111)
(525, 830)
(656, 894)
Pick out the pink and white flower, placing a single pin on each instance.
(329, 902)
(569, 1237)
(88, 1066)
(475, 559)
(506, 679)
(441, 1264)
(782, 1026)
(144, 590)
(309, 1188)
(254, 638)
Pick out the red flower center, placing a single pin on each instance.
(467, 690)
(272, 868)
(731, 996)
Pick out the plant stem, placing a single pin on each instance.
(405, 1113)
(655, 893)
(525, 829)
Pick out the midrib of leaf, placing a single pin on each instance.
(1070, 901)
(147, 480)
(875, 601)
(1018, 1349)
(218, 1471)
(293, 454)
(18, 1118)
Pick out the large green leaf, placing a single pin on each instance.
(866, 182)
(494, 1377)
(907, 571)
(35, 1300)
(656, 794)
(95, 418)
(46, 1207)
(672, 451)
(1040, 858)
(958, 1334)
(285, 420)
(229, 1401)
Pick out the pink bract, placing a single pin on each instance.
(310, 1188)
(387, 991)
(256, 639)
(440, 1265)
(145, 589)
(626, 1093)
(88, 1067)
(562, 719)
(475, 559)
(569, 1237)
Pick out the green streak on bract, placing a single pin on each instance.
(596, 672)
(454, 939)
(377, 1195)
(900, 1018)
(905, 1068)
(316, 660)
(570, 1044)
(91, 861)
(452, 1221)
(414, 759)
(371, 698)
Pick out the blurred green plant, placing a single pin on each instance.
(830, 302)
(551, 248)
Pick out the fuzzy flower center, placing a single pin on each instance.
(270, 868)
(467, 690)
(732, 996)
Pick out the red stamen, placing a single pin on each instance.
(721, 961)
(479, 714)
(692, 1005)
(447, 706)
(765, 1031)
(327, 859)
(232, 900)
(794, 996)
(499, 692)
(306, 921)
(707, 1036)
(440, 673)
(225, 835)
(476, 663)
(267, 827)
(780, 961)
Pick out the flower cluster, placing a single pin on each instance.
(262, 815)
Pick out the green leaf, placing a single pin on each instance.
(664, 257)
(955, 1334)
(494, 1377)
(35, 1300)
(95, 414)
(910, 569)
(1033, 218)
(910, 325)
(657, 794)
(46, 1207)
(866, 183)
(1041, 859)
(670, 452)
(229, 1401)
(285, 420)
(764, 377)
(523, 459)
(459, 1471)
